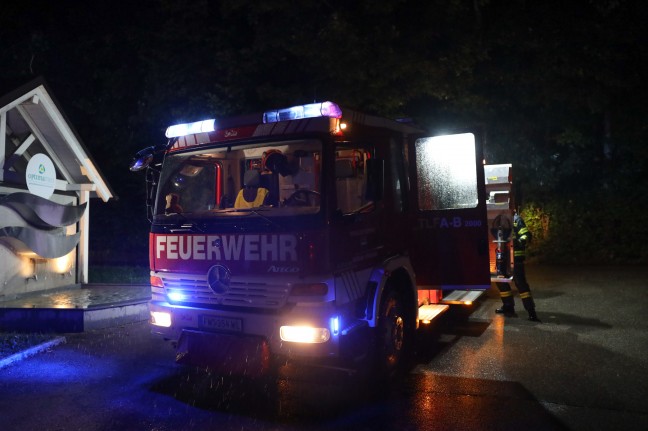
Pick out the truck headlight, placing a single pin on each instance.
(304, 334)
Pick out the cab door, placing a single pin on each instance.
(449, 232)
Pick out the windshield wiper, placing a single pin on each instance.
(256, 211)
(184, 224)
(272, 222)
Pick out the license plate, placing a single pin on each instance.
(222, 324)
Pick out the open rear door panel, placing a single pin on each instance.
(449, 235)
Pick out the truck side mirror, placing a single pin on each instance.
(142, 159)
(148, 155)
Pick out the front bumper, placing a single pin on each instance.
(237, 331)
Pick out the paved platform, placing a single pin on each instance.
(76, 309)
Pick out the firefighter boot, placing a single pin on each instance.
(506, 310)
(533, 316)
(529, 306)
(508, 305)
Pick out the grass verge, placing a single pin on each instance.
(119, 274)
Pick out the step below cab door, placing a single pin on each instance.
(449, 232)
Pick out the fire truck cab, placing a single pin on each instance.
(311, 233)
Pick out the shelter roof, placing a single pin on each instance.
(31, 122)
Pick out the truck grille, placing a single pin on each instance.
(252, 294)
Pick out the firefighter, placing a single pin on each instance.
(252, 195)
(521, 237)
(173, 204)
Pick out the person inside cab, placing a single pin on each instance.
(173, 204)
(252, 194)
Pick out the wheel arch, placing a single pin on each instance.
(395, 273)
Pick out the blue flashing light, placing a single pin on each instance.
(335, 325)
(190, 128)
(311, 110)
(175, 296)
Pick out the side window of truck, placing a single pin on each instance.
(446, 172)
(351, 179)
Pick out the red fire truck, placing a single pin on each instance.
(355, 230)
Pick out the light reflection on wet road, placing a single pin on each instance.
(581, 369)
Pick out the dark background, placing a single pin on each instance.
(558, 87)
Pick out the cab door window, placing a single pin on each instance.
(351, 179)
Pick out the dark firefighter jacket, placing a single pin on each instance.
(522, 236)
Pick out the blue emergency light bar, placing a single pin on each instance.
(311, 110)
(191, 128)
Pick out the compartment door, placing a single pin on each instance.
(449, 234)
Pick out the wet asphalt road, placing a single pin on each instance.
(584, 368)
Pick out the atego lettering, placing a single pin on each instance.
(250, 248)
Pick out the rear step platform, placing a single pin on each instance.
(466, 297)
(427, 313)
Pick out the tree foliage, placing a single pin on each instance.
(558, 88)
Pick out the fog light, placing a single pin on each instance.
(161, 318)
(304, 334)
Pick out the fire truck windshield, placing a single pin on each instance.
(280, 179)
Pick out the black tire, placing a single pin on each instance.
(394, 337)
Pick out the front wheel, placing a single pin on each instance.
(394, 336)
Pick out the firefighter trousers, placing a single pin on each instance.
(519, 277)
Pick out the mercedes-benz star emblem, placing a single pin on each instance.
(219, 278)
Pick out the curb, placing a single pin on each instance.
(31, 352)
